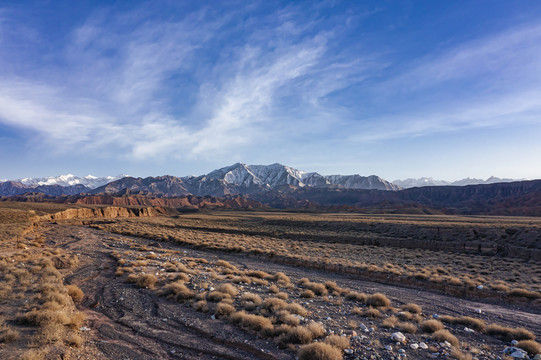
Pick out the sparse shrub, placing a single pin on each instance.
(227, 289)
(296, 309)
(217, 296)
(8, 335)
(274, 304)
(532, 295)
(339, 342)
(281, 278)
(360, 297)
(316, 328)
(372, 313)
(407, 327)
(332, 286)
(224, 309)
(509, 333)
(531, 346)
(431, 325)
(295, 335)
(254, 322)
(412, 308)
(405, 315)
(201, 306)
(257, 274)
(319, 351)
(75, 292)
(308, 294)
(250, 300)
(226, 264)
(289, 319)
(460, 355)
(143, 280)
(273, 289)
(390, 322)
(377, 300)
(445, 335)
(476, 324)
(282, 295)
(74, 340)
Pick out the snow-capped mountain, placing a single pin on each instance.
(428, 181)
(89, 181)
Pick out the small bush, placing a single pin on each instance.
(145, 280)
(377, 300)
(319, 351)
(431, 325)
(372, 313)
(390, 322)
(295, 335)
(509, 333)
(201, 306)
(226, 264)
(250, 300)
(74, 340)
(407, 327)
(339, 342)
(308, 294)
(412, 308)
(217, 296)
(75, 292)
(476, 324)
(296, 309)
(405, 316)
(273, 289)
(253, 322)
(224, 310)
(445, 335)
(316, 328)
(331, 286)
(8, 335)
(531, 346)
(274, 304)
(282, 295)
(227, 289)
(360, 297)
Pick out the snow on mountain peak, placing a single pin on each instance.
(90, 181)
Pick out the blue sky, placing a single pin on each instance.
(447, 89)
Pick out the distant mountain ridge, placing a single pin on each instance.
(243, 179)
(428, 181)
(89, 181)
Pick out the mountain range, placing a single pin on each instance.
(428, 181)
(231, 180)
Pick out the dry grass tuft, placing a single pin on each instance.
(476, 324)
(531, 346)
(253, 322)
(201, 306)
(431, 325)
(377, 300)
(319, 351)
(509, 333)
(224, 310)
(308, 294)
(339, 342)
(227, 289)
(75, 292)
(445, 335)
(360, 297)
(390, 322)
(407, 327)
(412, 308)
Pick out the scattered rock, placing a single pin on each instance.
(84, 328)
(348, 351)
(479, 311)
(363, 327)
(467, 329)
(388, 348)
(398, 336)
(514, 342)
(414, 346)
(423, 346)
(480, 287)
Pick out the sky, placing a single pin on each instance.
(399, 89)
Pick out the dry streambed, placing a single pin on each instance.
(149, 299)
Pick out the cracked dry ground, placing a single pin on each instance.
(127, 322)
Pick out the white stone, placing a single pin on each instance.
(398, 336)
(518, 355)
(514, 342)
(348, 351)
(467, 329)
(414, 346)
(363, 327)
(84, 328)
(479, 287)
(423, 346)
(388, 348)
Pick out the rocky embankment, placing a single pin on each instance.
(110, 212)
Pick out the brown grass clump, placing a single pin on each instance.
(177, 290)
(250, 300)
(308, 294)
(282, 295)
(431, 325)
(531, 346)
(295, 308)
(74, 340)
(412, 308)
(317, 288)
(407, 327)
(319, 351)
(532, 295)
(201, 306)
(217, 296)
(372, 313)
(281, 278)
(405, 316)
(333, 287)
(360, 297)
(274, 304)
(143, 280)
(445, 335)
(377, 300)
(460, 355)
(476, 324)
(316, 328)
(289, 319)
(226, 264)
(509, 333)
(253, 322)
(339, 342)
(75, 292)
(390, 322)
(227, 289)
(295, 335)
(273, 289)
(8, 335)
(257, 274)
(224, 310)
